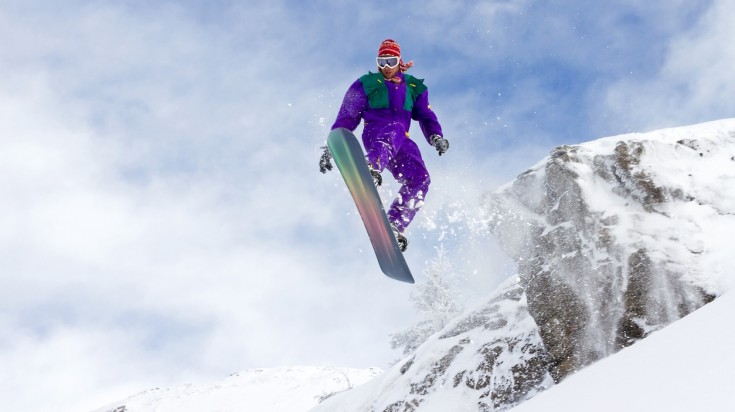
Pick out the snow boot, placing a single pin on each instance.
(377, 178)
(400, 239)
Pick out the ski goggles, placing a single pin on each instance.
(388, 61)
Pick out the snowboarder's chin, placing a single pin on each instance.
(389, 73)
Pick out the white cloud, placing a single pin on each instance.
(694, 82)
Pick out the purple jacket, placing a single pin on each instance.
(356, 107)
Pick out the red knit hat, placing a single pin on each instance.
(389, 47)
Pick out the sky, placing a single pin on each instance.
(163, 218)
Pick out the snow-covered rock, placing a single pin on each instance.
(619, 237)
(488, 359)
(275, 390)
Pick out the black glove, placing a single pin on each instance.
(440, 144)
(325, 162)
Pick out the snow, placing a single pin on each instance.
(291, 389)
(686, 366)
(697, 162)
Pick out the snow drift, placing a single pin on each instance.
(684, 367)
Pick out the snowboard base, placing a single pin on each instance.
(350, 161)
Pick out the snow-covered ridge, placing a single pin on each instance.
(275, 390)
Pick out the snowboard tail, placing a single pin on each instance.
(350, 161)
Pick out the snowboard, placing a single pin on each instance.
(350, 161)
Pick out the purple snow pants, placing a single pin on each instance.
(391, 149)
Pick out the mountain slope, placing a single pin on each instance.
(274, 390)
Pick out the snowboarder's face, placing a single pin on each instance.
(387, 71)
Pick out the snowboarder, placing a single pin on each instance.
(387, 101)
